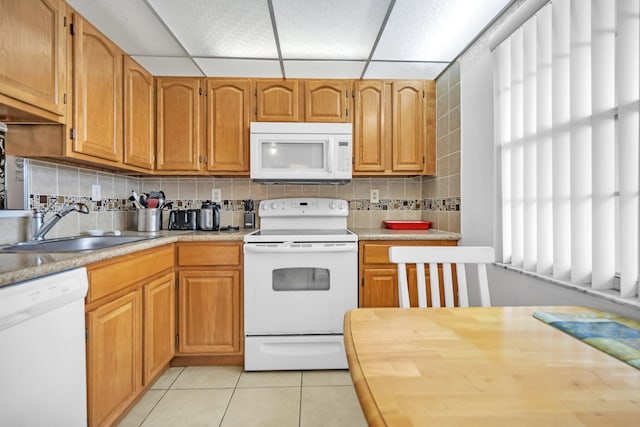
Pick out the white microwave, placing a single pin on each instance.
(301, 152)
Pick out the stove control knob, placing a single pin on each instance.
(274, 205)
(265, 206)
(341, 204)
(332, 205)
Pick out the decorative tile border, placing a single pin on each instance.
(42, 201)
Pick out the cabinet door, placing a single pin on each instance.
(114, 357)
(178, 103)
(327, 101)
(209, 312)
(372, 136)
(380, 287)
(408, 126)
(228, 117)
(139, 116)
(277, 101)
(32, 68)
(159, 325)
(97, 93)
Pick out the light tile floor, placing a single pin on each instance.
(227, 396)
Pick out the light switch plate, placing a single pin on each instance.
(216, 195)
(374, 196)
(95, 193)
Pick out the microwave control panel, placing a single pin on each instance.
(344, 155)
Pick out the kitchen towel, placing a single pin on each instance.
(613, 334)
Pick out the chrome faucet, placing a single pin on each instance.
(40, 228)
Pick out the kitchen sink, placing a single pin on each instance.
(72, 244)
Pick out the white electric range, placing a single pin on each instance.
(300, 277)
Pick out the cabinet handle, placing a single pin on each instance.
(200, 158)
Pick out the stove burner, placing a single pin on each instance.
(230, 228)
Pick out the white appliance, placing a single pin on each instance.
(300, 278)
(42, 351)
(301, 152)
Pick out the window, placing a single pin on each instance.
(567, 103)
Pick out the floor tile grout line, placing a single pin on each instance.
(154, 406)
(161, 397)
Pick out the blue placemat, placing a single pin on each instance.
(613, 334)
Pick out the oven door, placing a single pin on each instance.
(299, 288)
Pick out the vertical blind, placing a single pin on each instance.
(567, 104)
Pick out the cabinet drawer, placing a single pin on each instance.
(118, 273)
(378, 252)
(209, 254)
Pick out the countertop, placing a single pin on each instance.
(386, 234)
(17, 267)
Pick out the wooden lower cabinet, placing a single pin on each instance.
(114, 357)
(209, 321)
(130, 320)
(159, 325)
(379, 277)
(210, 312)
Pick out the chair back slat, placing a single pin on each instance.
(463, 296)
(484, 285)
(403, 286)
(445, 256)
(435, 286)
(448, 285)
(422, 285)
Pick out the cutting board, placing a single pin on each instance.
(406, 224)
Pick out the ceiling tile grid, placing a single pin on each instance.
(317, 39)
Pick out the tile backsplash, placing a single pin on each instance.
(400, 198)
(443, 190)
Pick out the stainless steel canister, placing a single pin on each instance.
(149, 219)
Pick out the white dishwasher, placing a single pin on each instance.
(42, 351)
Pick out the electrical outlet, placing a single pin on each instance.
(374, 196)
(95, 193)
(216, 195)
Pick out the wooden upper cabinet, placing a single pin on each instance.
(97, 93)
(278, 101)
(32, 64)
(327, 101)
(408, 99)
(178, 139)
(228, 117)
(372, 130)
(139, 116)
(430, 121)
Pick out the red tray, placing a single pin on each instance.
(407, 225)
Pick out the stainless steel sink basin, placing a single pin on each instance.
(72, 244)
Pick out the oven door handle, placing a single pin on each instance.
(298, 249)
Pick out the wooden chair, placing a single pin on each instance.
(434, 255)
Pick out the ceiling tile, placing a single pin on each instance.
(324, 69)
(129, 24)
(216, 67)
(434, 30)
(220, 28)
(168, 66)
(328, 29)
(404, 70)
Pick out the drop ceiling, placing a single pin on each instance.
(351, 39)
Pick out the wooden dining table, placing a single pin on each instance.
(489, 366)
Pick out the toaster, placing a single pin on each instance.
(183, 219)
